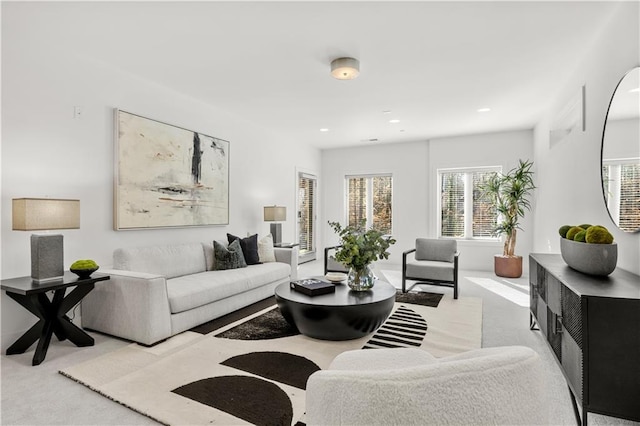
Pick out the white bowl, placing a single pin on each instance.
(336, 277)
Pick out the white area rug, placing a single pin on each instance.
(144, 379)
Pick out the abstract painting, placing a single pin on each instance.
(167, 176)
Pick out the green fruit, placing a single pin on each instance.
(563, 230)
(598, 235)
(571, 233)
(584, 226)
(580, 236)
(84, 264)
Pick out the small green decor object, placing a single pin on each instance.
(563, 230)
(360, 247)
(590, 234)
(580, 236)
(572, 232)
(83, 268)
(598, 235)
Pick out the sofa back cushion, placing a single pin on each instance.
(170, 261)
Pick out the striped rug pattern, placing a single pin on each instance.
(405, 328)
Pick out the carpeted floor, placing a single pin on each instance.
(41, 396)
(255, 370)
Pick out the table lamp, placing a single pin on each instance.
(39, 214)
(275, 214)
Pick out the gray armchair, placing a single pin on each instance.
(435, 262)
(331, 265)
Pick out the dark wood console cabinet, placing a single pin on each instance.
(592, 325)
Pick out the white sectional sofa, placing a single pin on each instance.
(157, 292)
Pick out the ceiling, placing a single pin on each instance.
(431, 64)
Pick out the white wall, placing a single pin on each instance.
(492, 149)
(414, 168)
(406, 162)
(569, 187)
(48, 153)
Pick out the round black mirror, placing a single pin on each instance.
(621, 154)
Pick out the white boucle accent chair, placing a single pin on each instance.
(489, 386)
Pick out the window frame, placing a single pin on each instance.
(369, 209)
(468, 201)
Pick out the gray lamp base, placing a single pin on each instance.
(276, 232)
(47, 258)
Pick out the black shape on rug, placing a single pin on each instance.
(270, 325)
(419, 298)
(248, 398)
(292, 370)
(405, 328)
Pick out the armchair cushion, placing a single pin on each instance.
(435, 250)
(427, 269)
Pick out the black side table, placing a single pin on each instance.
(52, 313)
(285, 245)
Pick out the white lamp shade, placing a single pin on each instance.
(39, 214)
(275, 213)
(345, 68)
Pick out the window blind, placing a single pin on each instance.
(484, 214)
(382, 204)
(452, 204)
(357, 200)
(630, 197)
(306, 188)
(369, 199)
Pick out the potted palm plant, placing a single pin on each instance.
(509, 194)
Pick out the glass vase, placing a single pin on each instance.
(360, 279)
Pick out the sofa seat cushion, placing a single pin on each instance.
(438, 271)
(192, 291)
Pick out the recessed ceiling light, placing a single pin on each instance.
(484, 110)
(386, 111)
(324, 129)
(636, 90)
(394, 121)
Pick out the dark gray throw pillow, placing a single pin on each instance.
(228, 257)
(249, 248)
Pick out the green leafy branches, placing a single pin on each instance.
(359, 246)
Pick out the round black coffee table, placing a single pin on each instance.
(342, 315)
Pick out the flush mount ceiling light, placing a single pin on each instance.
(345, 68)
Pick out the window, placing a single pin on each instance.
(463, 212)
(370, 198)
(621, 182)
